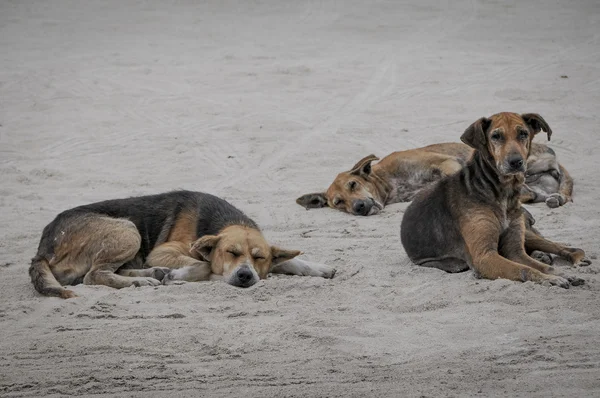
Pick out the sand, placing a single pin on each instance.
(260, 102)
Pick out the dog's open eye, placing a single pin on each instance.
(353, 185)
(523, 135)
(496, 136)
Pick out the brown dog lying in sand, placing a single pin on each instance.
(474, 219)
(365, 189)
(141, 241)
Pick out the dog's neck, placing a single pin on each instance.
(402, 184)
(384, 188)
(485, 179)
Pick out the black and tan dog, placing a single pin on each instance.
(366, 188)
(140, 241)
(473, 219)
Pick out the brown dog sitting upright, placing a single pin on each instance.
(473, 219)
(366, 188)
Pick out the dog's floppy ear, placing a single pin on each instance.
(312, 200)
(474, 135)
(279, 255)
(363, 167)
(537, 123)
(204, 246)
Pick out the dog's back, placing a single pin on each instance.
(153, 215)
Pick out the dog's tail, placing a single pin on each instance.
(44, 281)
(565, 187)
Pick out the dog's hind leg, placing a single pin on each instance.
(565, 190)
(110, 244)
(535, 242)
(451, 265)
(450, 166)
(512, 247)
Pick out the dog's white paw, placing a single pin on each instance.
(319, 270)
(555, 200)
(174, 277)
(145, 281)
(555, 280)
(159, 273)
(327, 272)
(171, 278)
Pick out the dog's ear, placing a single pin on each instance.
(312, 200)
(537, 123)
(279, 255)
(363, 167)
(474, 135)
(205, 246)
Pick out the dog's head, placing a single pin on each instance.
(241, 254)
(354, 191)
(504, 139)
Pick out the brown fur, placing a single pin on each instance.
(474, 218)
(367, 188)
(181, 235)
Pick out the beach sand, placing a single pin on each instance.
(259, 103)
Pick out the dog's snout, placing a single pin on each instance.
(361, 207)
(244, 275)
(516, 162)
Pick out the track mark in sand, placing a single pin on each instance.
(379, 84)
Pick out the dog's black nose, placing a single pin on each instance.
(361, 207)
(516, 162)
(244, 274)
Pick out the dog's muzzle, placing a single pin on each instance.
(243, 276)
(366, 207)
(514, 164)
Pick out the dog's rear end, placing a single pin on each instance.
(546, 179)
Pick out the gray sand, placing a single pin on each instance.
(260, 102)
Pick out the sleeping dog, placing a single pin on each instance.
(398, 177)
(141, 241)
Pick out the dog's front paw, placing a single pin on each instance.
(584, 262)
(577, 257)
(542, 257)
(172, 278)
(327, 272)
(160, 272)
(555, 280)
(555, 200)
(145, 281)
(575, 281)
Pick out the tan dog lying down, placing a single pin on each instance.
(181, 235)
(366, 188)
